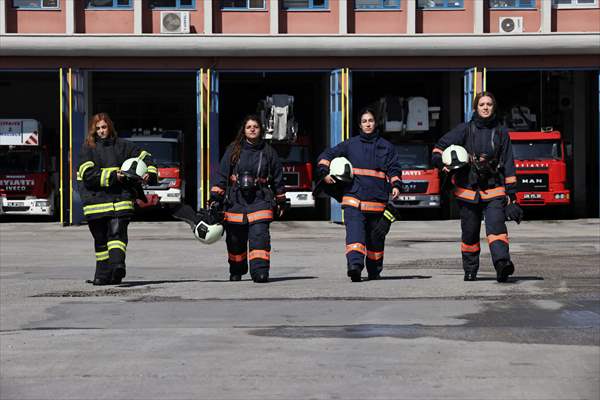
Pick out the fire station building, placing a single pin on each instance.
(199, 66)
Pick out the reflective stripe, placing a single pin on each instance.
(117, 244)
(388, 214)
(98, 208)
(437, 150)
(143, 155)
(470, 248)
(491, 193)
(464, 193)
(234, 217)
(368, 172)
(105, 175)
(324, 162)
(216, 189)
(372, 206)
(374, 255)
(124, 205)
(350, 201)
(359, 247)
(237, 257)
(84, 167)
(510, 179)
(262, 254)
(394, 179)
(152, 169)
(260, 215)
(102, 255)
(493, 238)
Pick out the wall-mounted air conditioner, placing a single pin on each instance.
(510, 24)
(174, 22)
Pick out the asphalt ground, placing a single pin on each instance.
(176, 328)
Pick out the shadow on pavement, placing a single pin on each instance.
(384, 278)
(271, 279)
(142, 283)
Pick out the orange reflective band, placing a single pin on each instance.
(262, 254)
(324, 162)
(436, 150)
(510, 179)
(493, 238)
(464, 193)
(350, 201)
(218, 190)
(372, 206)
(394, 179)
(470, 248)
(368, 172)
(234, 217)
(491, 193)
(374, 255)
(237, 257)
(260, 215)
(356, 247)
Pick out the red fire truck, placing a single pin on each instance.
(541, 168)
(26, 176)
(420, 180)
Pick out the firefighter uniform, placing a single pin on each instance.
(482, 188)
(375, 167)
(248, 212)
(108, 203)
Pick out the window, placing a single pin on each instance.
(35, 4)
(305, 4)
(108, 4)
(440, 4)
(574, 3)
(245, 4)
(376, 4)
(512, 3)
(171, 3)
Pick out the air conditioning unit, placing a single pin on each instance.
(174, 22)
(510, 25)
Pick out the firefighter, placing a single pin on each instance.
(248, 188)
(484, 187)
(376, 171)
(108, 194)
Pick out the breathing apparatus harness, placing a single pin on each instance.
(484, 168)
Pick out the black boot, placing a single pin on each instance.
(504, 269)
(103, 275)
(470, 276)
(118, 274)
(235, 277)
(354, 273)
(261, 277)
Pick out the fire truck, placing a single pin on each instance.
(541, 168)
(26, 173)
(406, 122)
(165, 147)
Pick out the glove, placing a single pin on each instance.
(382, 228)
(436, 161)
(282, 205)
(513, 212)
(216, 200)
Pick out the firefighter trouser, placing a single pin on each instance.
(362, 247)
(497, 237)
(248, 242)
(110, 244)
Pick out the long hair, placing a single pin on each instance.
(90, 139)
(239, 139)
(485, 94)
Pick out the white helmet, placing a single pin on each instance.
(134, 168)
(455, 157)
(341, 169)
(208, 234)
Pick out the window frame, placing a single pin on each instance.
(177, 6)
(515, 7)
(575, 4)
(41, 7)
(115, 6)
(310, 6)
(444, 7)
(381, 7)
(247, 8)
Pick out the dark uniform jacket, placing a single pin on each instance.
(481, 137)
(262, 162)
(101, 193)
(375, 166)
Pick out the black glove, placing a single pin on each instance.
(436, 161)
(383, 226)
(513, 212)
(216, 200)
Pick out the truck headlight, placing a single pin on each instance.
(41, 204)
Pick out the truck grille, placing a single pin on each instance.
(532, 183)
(414, 187)
(19, 208)
(291, 178)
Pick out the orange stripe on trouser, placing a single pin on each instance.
(374, 255)
(368, 172)
(356, 247)
(470, 248)
(260, 215)
(234, 217)
(372, 206)
(350, 201)
(492, 238)
(263, 254)
(494, 192)
(237, 257)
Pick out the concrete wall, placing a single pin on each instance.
(446, 21)
(376, 21)
(102, 21)
(311, 21)
(576, 20)
(232, 21)
(34, 21)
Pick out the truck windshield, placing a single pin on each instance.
(165, 154)
(537, 150)
(414, 155)
(21, 161)
(292, 154)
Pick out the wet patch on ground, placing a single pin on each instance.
(113, 292)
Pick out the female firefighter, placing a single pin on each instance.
(484, 186)
(376, 170)
(249, 186)
(108, 194)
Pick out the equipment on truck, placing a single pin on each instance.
(520, 119)
(406, 115)
(277, 116)
(26, 173)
